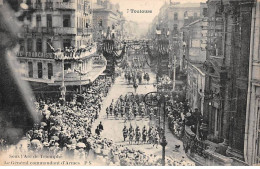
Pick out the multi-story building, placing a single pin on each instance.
(108, 24)
(230, 100)
(226, 70)
(61, 23)
(252, 125)
(195, 87)
(107, 16)
(58, 25)
(194, 38)
(213, 65)
(171, 18)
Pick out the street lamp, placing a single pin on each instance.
(80, 73)
(157, 99)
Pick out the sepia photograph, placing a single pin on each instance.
(129, 83)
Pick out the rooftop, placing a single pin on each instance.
(96, 6)
(186, 5)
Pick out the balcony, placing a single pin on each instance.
(65, 30)
(33, 30)
(48, 30)
(41, 55)
(66, 5)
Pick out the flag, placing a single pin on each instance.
(52, 48)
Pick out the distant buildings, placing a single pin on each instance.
(170, 20)
(107, 16)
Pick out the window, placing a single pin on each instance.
(49, 21)
(30, 69)
(50, 70)
(205, 12)
(29, 17)
(38, 4)
(67, 66)
(175, 16)
(100, 22)
(185, 14)
(23, 67)
(29, 45)
(66, 0)
(66, 21)
(38, 20)
(39, 45)
(195, 15)
(28, 2)
(21, 43)
(39, 64)
(175, 28)
(258, 149)
(66, 43)
(49, 45)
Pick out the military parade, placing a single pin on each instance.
(99, 83)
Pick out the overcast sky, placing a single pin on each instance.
(153, 5)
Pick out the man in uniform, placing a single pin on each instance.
(97, 131)
(144, 134)
(125, 132)
(100, 126)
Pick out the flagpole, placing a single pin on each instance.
(63, 88)
(174, 72)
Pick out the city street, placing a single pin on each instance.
(117, 83)
(113, 128)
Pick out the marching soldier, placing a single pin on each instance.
(144, 134)
(125, 132)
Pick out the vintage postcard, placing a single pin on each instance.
(129, 83)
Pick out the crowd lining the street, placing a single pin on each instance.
(65, 130)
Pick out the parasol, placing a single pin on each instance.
(43, 124)
(55, 138)
(81, 145)
(35, 141)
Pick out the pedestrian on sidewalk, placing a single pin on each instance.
(97, 131)
(135, 86)
(100, 126)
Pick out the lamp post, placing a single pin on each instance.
(80, 73)
(174, 73)
(158, 99)
(63, 87)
